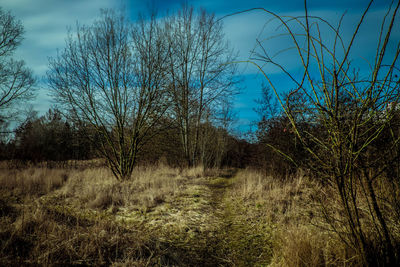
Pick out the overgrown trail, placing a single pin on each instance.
(226, 236)
(218, 187)
(239, 239)
(205, 241)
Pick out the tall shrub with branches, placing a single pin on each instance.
(350, 114)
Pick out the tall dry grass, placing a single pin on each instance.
(301, 236)
(32, 181)
(298, 206)
(62, 216)
(73, 216)
(148, 187)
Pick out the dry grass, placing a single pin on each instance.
(84, 216)
(38, 227)
(32, 181)
(280, 201)
(54, 237)
(302, 236)
(97, 188)
(291, 208)
(167, 216)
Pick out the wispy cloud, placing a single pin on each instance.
(46, 23)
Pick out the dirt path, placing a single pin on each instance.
(207, 243)
(221, 232)
(198, 223)
(239, 239)
(218, 187)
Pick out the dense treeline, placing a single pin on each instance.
(48, 138)
(54, 138)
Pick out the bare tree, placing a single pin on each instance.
(353, 139)
(16, 80)
(111, 76)
(200, 75)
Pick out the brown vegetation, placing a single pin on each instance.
(84, 216)
(294, 209)
(169, 217)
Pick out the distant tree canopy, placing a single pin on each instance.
(59, 141)
(51, 138)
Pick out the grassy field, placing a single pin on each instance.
(163, 217)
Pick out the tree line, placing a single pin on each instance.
(59, 142)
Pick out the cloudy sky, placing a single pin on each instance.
(46, 23)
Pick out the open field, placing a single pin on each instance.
(163, 217)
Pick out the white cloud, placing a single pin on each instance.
(45, 23)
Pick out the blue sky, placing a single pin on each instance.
(46, 23)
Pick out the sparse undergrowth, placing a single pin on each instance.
(163, 217)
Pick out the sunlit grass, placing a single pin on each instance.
(167, 216)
